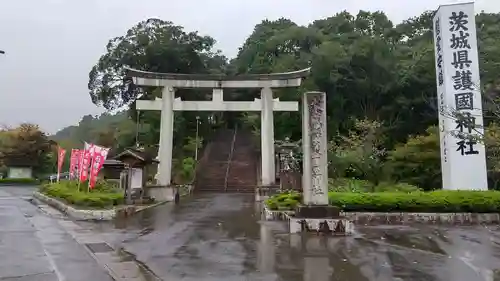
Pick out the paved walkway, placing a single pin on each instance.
(221, 237)
(35, 246)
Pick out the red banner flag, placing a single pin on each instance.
(60, 159)
(99, 156)
(73, 164)
(85, 158)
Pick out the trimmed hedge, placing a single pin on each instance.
(442, 201)
(103, 196)
(20, 181)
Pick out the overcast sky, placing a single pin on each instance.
(51, 45)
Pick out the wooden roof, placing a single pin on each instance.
(136, 153)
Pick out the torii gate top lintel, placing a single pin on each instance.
(180, 80)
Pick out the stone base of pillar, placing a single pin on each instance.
(161, 193)
(321, 220)
(326, 226)
(316, 211)
(264, 192)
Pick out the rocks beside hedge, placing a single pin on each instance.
(74, 213)
(399, 218)
(442, 201)
(20, 181)
(103, 202)
(91, 214)
(440, 207)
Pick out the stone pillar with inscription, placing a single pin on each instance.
(315, 214)
(314, 141)
(463, 161)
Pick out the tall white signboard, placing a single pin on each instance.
(463, 161)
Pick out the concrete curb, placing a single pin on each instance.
(79, 214)
(401, 217)
(22, 185)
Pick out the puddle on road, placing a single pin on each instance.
(221, 237)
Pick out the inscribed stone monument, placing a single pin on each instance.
(463, 162)
(314, 141)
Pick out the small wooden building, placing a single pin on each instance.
(135, 161)
(19, 167)
(111, 169)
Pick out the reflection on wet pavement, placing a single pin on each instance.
(222, 237)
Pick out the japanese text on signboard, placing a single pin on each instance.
(463, 85)
(440, 80)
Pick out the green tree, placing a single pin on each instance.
(159, 46)
(27, 145)
(418, 161)
(492, 143)
(369, 67)
(359, 154)
(363, 62)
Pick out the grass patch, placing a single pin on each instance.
(103, 196)
(441, 201)
(21, 181)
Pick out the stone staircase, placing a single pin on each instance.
(227, 160)
(242, 174)
(211, 174)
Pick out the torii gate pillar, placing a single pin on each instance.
(164, 172)
(268, 167)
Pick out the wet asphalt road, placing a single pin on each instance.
(221, 237)
(34, 247)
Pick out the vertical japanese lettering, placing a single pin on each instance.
(464, 101)
(459, 21)
(439, 53)
(463, 85)
(317, 130)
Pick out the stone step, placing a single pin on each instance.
(222, 190)
(242, 176)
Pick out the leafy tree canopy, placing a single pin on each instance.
(372, 70)
(27, 145)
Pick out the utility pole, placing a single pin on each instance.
(196, 151)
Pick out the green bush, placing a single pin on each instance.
(442, 201)
(103, 195)
(418, 161)
(23, 181)
(286, 200)
(184, 170)
(188, 169)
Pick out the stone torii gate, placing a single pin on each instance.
(168, 104)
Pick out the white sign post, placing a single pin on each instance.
(463, 161)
